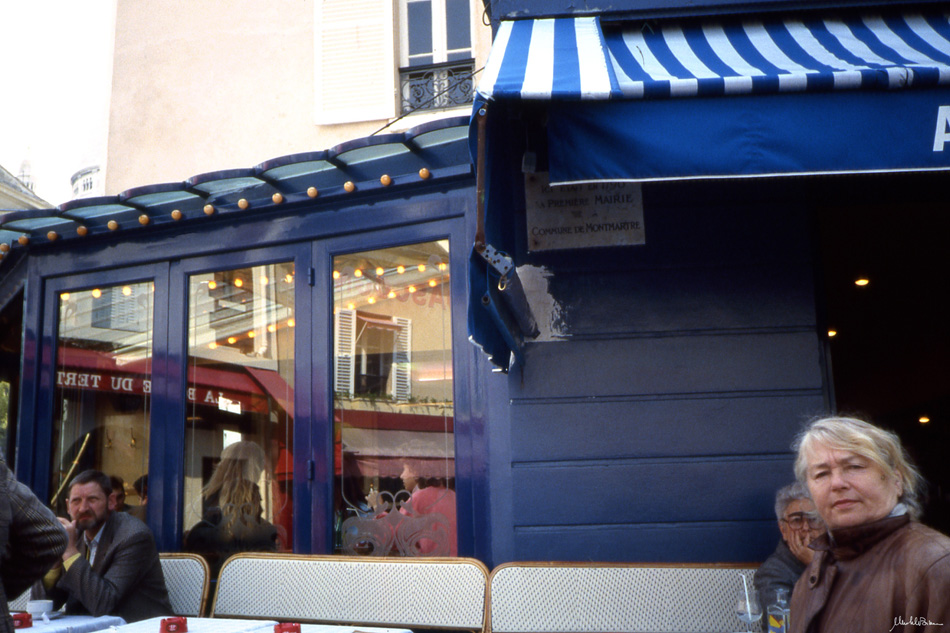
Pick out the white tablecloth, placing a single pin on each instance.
(202, 625)
(333, 628)
(225, 625)
(74, 624)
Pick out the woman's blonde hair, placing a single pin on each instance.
(881, 447)
(235, 482)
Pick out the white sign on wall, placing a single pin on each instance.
(582, 216)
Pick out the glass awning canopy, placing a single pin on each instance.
(428, 152)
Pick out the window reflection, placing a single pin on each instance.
(103, 385)
(393, 409)
(239, 431)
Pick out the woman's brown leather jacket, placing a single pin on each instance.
(887, 576)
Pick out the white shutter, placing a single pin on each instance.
(355, 63)
(402, 361)
(344, 341)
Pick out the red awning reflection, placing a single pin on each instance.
(255, 389)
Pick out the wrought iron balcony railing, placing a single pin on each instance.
(437, 86)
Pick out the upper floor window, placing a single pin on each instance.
(436, 56)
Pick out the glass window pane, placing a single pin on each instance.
(103, 386)
(420, 60)
(458, 24)
(239, 431)
(393, 410)
(419, 16)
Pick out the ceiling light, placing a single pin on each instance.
(862, 281)
(923, 419)
(832, 333)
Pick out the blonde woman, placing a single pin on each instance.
(877, 568)
(233, 513)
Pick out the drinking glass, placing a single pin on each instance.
(748, 608)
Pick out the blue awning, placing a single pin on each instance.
(578, 58)
(746, 98)
(772, 96)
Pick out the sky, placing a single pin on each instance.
(54, 96)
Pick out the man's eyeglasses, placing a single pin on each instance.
(797, 520)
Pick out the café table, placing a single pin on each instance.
(201, 625)
(74, 624)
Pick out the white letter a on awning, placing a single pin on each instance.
(942, 135)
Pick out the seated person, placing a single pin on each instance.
(433, 499)
(876, 567)
(30, 537)
(111, 564)
(141, 489)
(117, 498)
(799, 524)
(232, 520)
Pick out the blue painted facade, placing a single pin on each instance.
(657, 428)
(657, 425)
(429, 196)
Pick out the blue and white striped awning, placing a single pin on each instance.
(708, 99)
(580, 58)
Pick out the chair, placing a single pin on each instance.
(442, 593)
(623, 598)
(19, 603)
(187, 577)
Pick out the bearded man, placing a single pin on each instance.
(110, 565)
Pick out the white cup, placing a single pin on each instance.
(37, 608)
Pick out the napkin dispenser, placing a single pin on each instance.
(22, 620)
(174, 625)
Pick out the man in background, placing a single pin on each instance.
(117, 498)
(799, 523)
(110, 565)
(31, 540)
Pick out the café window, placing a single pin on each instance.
(393, 406)
(238, 474)
(102, 396)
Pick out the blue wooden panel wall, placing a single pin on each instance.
(660, 428)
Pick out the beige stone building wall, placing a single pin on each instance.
(207, 85)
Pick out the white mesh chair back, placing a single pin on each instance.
(187, 577)
(19, 603)
(596, 598)
(444, 593)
